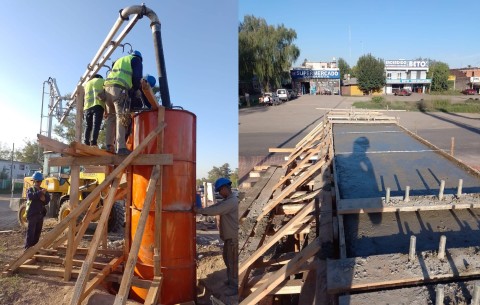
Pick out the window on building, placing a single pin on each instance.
(399, 75)
(22, 167)
(389, 75)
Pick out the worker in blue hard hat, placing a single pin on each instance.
(93, 107)
(125, 76)
(228, 211)
(138, 99)
(37, 199)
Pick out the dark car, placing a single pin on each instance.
(469, 91)
(403, 92)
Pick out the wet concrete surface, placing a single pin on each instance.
(371, 158)
(386, 233)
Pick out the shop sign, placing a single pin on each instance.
(475, 79)
(323, 73)
(409, 81)
(406, 63)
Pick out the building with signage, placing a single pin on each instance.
(316, 78)
(466, 78)
(406, 74)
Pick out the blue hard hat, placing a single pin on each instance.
(37, 176)
(151, 80)
(221, 182)
(137, 53)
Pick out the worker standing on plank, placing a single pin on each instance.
(93, 106)
(228, 211)
(125, 76)
(38, 198)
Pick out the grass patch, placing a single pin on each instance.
(435, 105)
(10, 286)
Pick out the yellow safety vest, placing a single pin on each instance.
(121, 73)
(92, 90)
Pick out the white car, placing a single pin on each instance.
(283, 95)
(272, 98)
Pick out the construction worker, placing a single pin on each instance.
(125, 76)
(228, 211)
(38, 198)
(93, 106)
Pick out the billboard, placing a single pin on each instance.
(323, 73)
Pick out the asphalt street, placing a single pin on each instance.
(261, 128)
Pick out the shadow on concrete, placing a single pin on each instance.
(454, 122)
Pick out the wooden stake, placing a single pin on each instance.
(452, 146)
(441, 248)
(411, 253)
(442, 189)
(387, 195)
(476, 294)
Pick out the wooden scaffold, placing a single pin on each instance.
(58, 252)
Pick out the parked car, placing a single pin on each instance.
(272, 99)
(469, 91)
(403, 92)
(292, 93)
(283, 95)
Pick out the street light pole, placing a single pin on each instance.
(11, 169)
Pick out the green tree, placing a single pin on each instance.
(218, 172)
(32, 152)
(344, 68)
(234, 178)
(66, 130)
(370, 73)
(5, 152)
(438, 72)
(265, 51)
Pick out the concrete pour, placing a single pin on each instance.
(370, 158)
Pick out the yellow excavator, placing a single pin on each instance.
(57, 183)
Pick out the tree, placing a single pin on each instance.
(438, 73)
(344, 68)
(234, 178)
(265, 51)
(218, 172)
(370, 73)
(66, 130)
(30, 153)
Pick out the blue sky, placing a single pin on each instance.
(442, 30)
(55, 38)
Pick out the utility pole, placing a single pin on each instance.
(11, 170)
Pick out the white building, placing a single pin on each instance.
(406, 74)
(20, 169)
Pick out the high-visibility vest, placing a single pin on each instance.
(92, 90)
(121, 73)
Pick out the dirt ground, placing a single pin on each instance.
(41, 290)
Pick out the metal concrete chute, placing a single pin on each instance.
(110, 44)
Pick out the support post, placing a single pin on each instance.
(460, 186)
(476, 294)
(387, 195)
(411, 253)
(452, 146)
(407, 194)
(441, 248)
(442, 189)
(439, 295)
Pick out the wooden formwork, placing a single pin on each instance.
(58, 252)
(280, 220)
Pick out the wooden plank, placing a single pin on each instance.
(374, 205)
(122, 295)
(89, 150)
(51, 144)
(304, 149)
(79, 289)
(460, 263)
(73, 197)
(148, 92)
(144, 159)
(99, 277)
(253, 193)
(154, 291)
(286, 287)
(279, 276)
(281, 150)
(55, 259)
(289, 189)
(341, 237)
(308, 289)
(128, 213)
(274, 239)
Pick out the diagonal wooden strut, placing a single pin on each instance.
(122, 295)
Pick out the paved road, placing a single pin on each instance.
(8, 218)
(283, 126)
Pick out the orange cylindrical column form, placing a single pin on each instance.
(178, 197)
